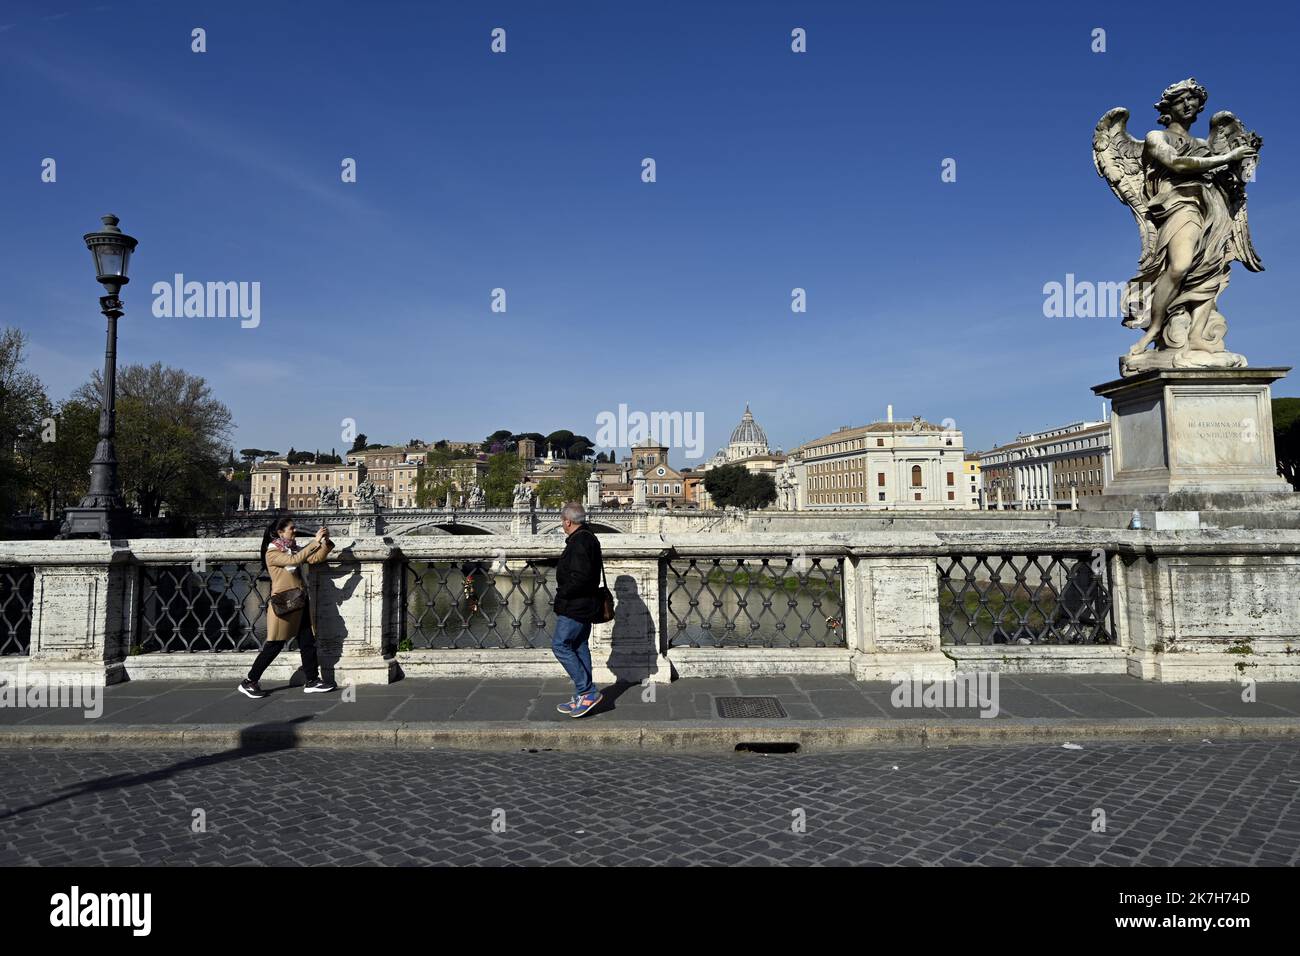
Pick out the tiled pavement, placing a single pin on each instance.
(804, 698)
(1197, 803)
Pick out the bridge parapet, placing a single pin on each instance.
(1186, 605)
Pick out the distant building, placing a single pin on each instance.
(885, 465)
(971, 478)
(276, 484)
(392, 466)
(1039, 469)
(747, 448)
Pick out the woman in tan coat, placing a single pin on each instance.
(283, 559)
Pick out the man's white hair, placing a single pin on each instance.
(574, 512)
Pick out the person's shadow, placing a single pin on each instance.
(334, 584)
(634, 643)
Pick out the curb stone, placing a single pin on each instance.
(701, 737)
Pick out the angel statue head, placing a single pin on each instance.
(1180, 99)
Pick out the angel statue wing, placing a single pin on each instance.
(1226, 134)
(1118, 158)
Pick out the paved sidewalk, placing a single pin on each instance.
(823, 713)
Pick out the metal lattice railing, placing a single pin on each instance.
(476, 604)
(15, 611)
(1026, 599)
(220, 606)
(756, 602)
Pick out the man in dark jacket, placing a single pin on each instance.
(577, 604)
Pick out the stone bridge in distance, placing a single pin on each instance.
(393, 522)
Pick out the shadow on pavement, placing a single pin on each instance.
(256, 738)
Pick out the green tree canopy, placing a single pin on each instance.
(1286, 438)
(23, 406)
(734, 485)
(505, 470)
(171, 433)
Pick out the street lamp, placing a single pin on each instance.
(102, 512)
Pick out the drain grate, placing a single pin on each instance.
(749, 707)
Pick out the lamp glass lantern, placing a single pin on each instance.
(111, 249)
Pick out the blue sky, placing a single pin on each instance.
(522, 171)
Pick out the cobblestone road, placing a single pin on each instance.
(1207, 803)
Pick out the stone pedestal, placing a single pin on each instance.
(1219, 616)
(352, 606)
(1205, 431)
(367, 520)
(629, 648)
(1190, 449)
(83, 608)
(894, 619)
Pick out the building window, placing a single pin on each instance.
(916, 478)
(880, 443)
(881, 496)
(880, 479)
(950, 479)
(917, 496)
(950, 496)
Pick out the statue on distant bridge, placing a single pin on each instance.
(1188, 196)
(329, 497)
(787, 488)
(477, 499)
(366, 492)
(523, 495)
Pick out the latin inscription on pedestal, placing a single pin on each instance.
(1216, 430)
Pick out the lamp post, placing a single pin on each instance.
(102, 512)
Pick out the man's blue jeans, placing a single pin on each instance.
(570, 647)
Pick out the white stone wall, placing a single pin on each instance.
(1187, 605)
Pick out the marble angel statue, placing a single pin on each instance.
(1188, 196)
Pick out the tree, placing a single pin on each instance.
(498, 441)
(505, 470)
(734, 485)
(438, 477)
(571, 486)
(757, 491)
(723, 483)
(23, 405)
(170, 437)
(559, 442)
(550, 493)
(58, 470)
(1286, 438)
(358, 443)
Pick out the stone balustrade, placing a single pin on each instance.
(1161, 605)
